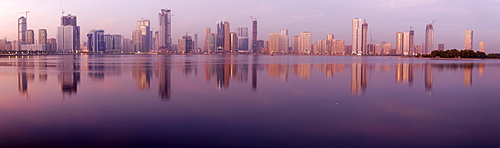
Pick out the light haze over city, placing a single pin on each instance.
(385, 17)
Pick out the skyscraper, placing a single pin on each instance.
(233, 41)
(206, 42)
(406, 43)
(95, 42)
(165, 38)
(68, 35)
(242, 33)
(440, 47)
(42, 36)
(295, 44)
(429, 39)
(364, 39)
(227, 37)
(30, 36)
(411, 42)
(357, 36)
(468, 40)
(273, 43)
(219, 41)
(481, 47)
(399, 43)
(141, 37)
(21, 28)
(254, 35)
(212, 44)
(283, 41)
(305, 41)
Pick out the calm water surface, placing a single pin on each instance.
(248, 101)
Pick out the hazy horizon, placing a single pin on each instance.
(385, 17)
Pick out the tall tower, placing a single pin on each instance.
(481, 46)
(254, 34)
(468, 40)
(142, 37)
(165, 29)
(68, 34)
(429, 39)
(21, 27)
(364, 39)
(30, 36)
(227, 37)
(305, 41)
(42, 36)
(411, 42)
(219, 41)
(406, 43)
(399, 43)
(206, 42)
(95, 42)
(357, 36)
(273, 43)
(283, 41)
(242, 33)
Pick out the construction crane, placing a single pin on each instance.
(62, 9)
(25, 12)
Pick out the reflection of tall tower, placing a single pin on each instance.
(69, 76)
(468, 74)
(428, 77)
(481, 69)
(23, 83)
(358, 78)
(254, 73)
(165, 81)
(223, 73)
(404, 72)
(142, 75)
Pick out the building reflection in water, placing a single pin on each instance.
(69, 75)
(404, 73)
(330, 69)
(359, 81)
(141, 72)
(302, 70)
(468, 74)
(254, 73)
(481, 69)
(428, 77)
(164, 76)
(278, 71)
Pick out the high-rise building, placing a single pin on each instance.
(219, 41)
(305, 41)
(233, 41)
(406, 43)
(359, 36)
(96, 41)
(338, 47)
(364, 39)
(141, 37)
(429, 39)
(283, 41)
(295, 44)
(165, 29)
(411, 42)
(441, 47)
(30, 36)
(212, 44)
(52, 44)
(273, 43)
(227, 37)
(399, 43)
(242, 33)
(68, 34)
(481, 46)
(21, 28)
(112, 43)
(206, 42)
(3, 44)
(323, 46)
(468, 40)
(254, 35)
(127, 46)
(42, 36)
(188, 45)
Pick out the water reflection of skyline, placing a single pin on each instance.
(223, 70)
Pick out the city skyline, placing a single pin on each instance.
(448, 29)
